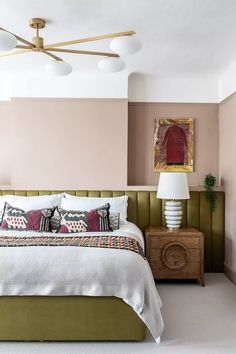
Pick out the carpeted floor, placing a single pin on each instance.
(197, 320)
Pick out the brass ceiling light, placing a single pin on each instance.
(122, 43)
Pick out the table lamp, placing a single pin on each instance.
(173, 186)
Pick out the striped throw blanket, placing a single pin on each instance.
(115, 242)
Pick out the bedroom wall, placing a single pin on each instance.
(140, 139)
(51, 143)
(48, 143)
(227, 169)
(63, 144)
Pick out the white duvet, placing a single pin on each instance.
(67, 270)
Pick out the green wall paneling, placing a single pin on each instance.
(218, 226)
(155, 210)
(206, 227)
(193, 210)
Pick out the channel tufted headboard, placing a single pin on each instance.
(145, 209)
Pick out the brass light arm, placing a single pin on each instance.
(24, 47)
(90, 39)
(13, 52)
(19, 38)
(86, 52)
(51, 55)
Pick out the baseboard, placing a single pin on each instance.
(230, 274)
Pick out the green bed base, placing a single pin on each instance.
(107, 318)
(68, 318)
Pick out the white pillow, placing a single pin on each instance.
(31, 203)
(117, 204)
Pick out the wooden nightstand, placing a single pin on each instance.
(175, 254)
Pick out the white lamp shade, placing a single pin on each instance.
(58, 68)
(125, 45)
(111, 65)
(173, 185)
(7, 41)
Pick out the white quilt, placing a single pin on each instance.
(66, 270)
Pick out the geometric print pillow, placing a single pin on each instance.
(114, 219)
(18, 219)
(95, 220)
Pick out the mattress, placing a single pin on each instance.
(86, 271)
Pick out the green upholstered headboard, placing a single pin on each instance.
(145, 209)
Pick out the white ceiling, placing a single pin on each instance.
(180, 37)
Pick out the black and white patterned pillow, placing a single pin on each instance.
(55, 221)
(114, 221)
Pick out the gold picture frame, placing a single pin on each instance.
(173, 145)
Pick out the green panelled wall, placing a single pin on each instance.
(145, 209)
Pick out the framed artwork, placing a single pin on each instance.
(173, 145)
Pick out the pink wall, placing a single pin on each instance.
(82, 143)
(140, 139)
(63, 143)
(227, 169)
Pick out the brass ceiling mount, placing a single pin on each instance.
(37, 23)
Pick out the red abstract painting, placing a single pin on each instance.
(173, 145)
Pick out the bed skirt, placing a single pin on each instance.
(65, 318)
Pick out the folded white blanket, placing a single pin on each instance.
(85, 271)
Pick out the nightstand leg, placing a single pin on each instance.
(201, 281)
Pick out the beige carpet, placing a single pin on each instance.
(197, 320)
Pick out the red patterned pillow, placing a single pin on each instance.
(18, 219)
(84, 221)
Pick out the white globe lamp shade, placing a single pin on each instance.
(125, 45)
(111, 65)
(58, 68)
(7, 41)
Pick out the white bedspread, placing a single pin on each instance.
(66, 270)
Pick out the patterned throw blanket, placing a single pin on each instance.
(116, 242)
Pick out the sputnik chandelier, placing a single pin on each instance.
(122, 43)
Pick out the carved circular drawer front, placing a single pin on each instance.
(175, 255)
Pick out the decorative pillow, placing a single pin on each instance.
(114, 219)
(84, 221)
(18, 219)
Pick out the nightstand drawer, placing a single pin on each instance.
(161, 271)
(156, 253)
(161, 241)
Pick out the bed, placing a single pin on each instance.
(41, 296)
(106, 317)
